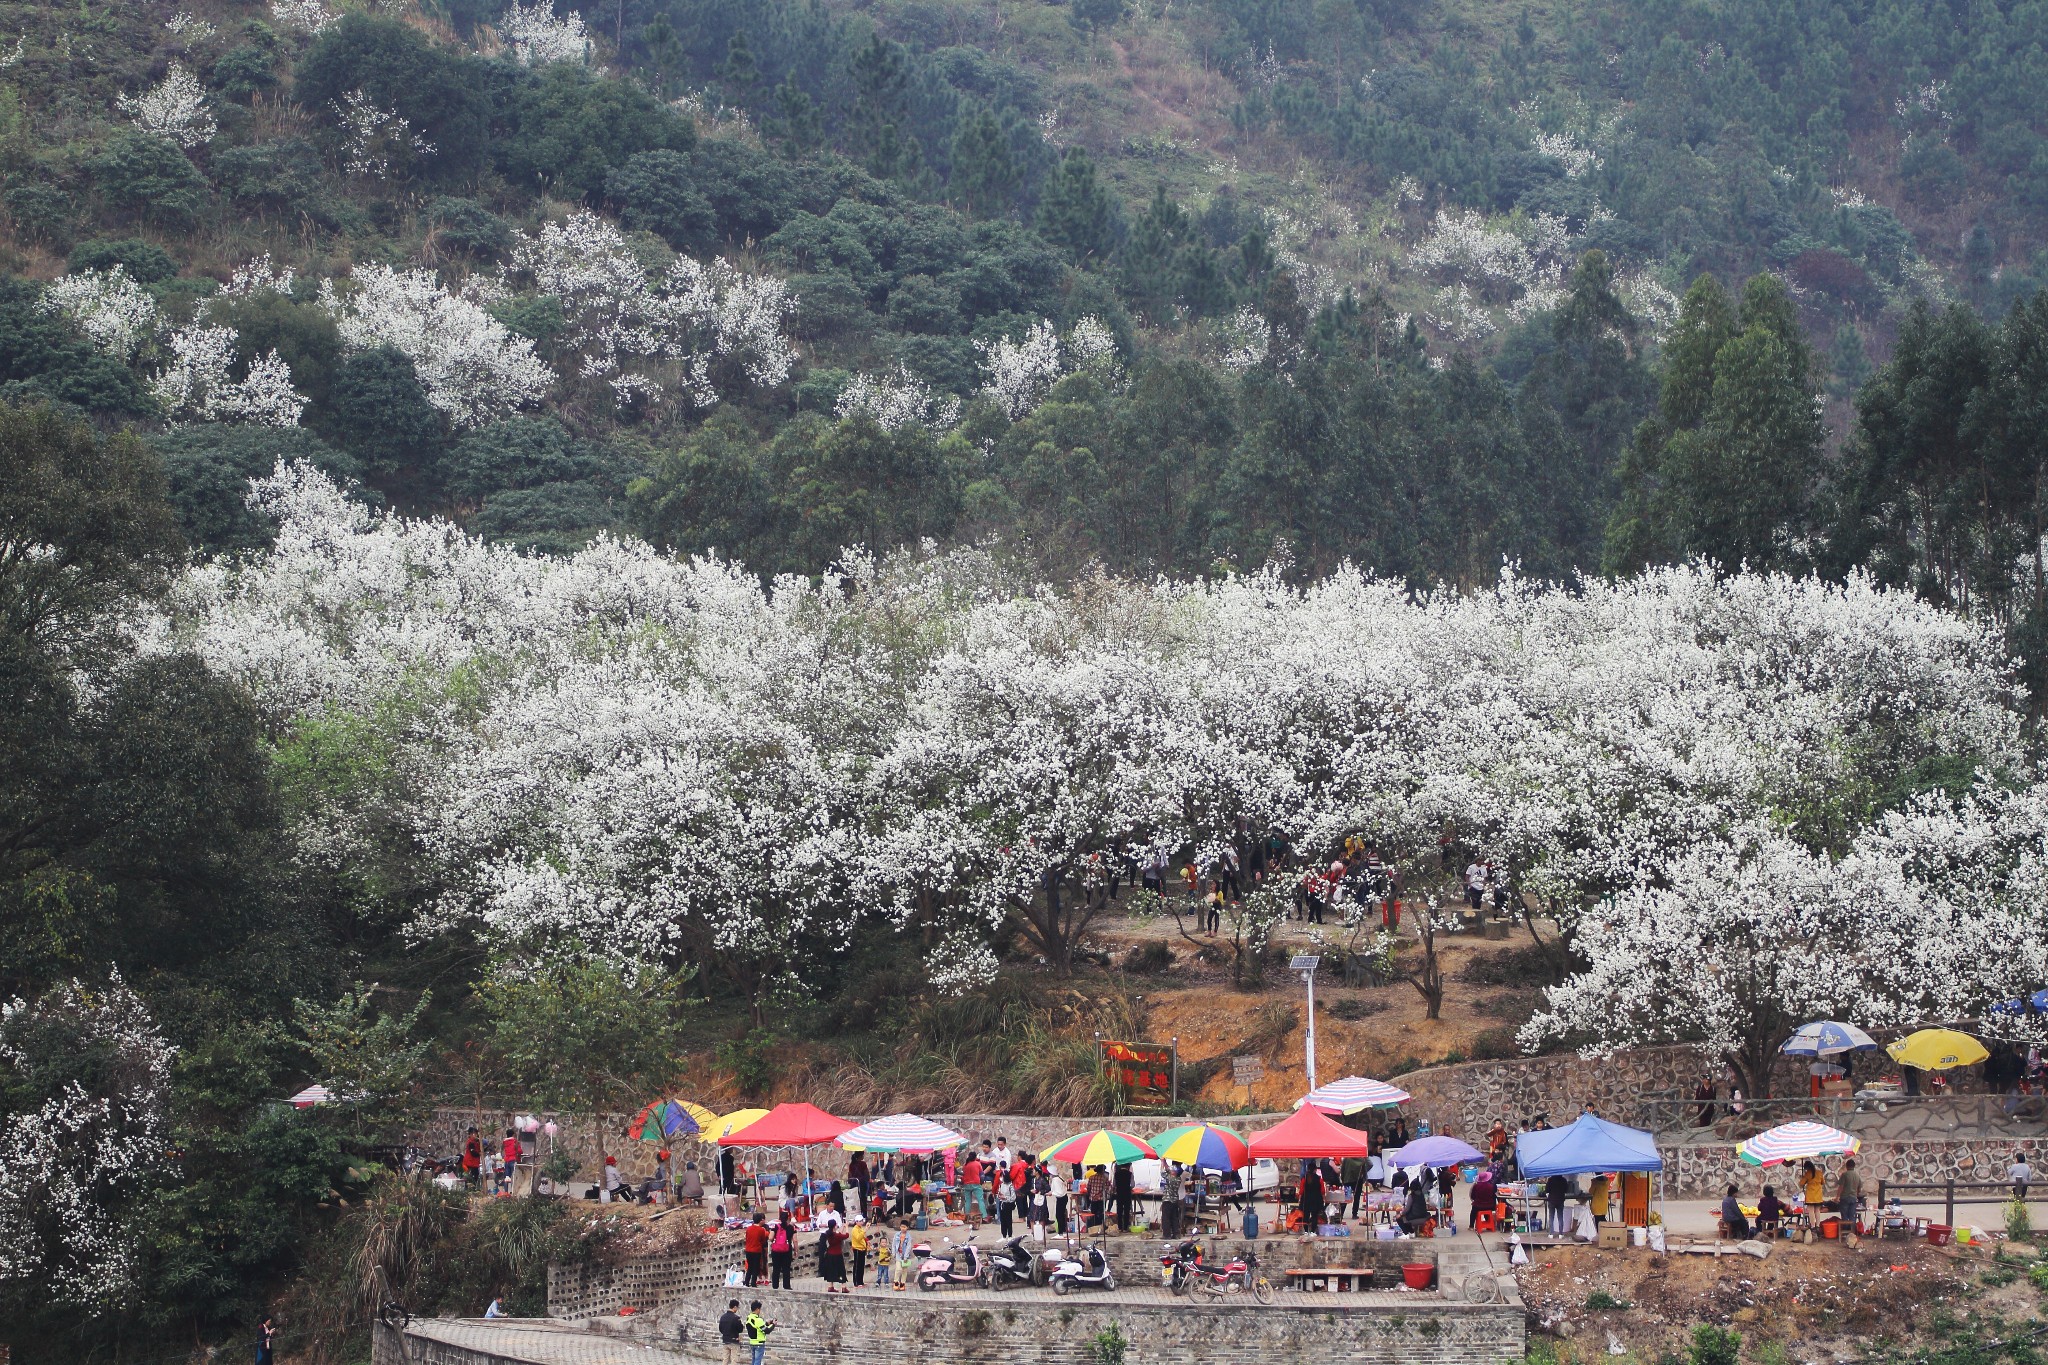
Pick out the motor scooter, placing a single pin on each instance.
(1010, 1264)
(956, 1266)
(1086, 1269)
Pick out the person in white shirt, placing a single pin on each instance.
(2021, 1175)
(1475, 885)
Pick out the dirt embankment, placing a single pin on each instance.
(1820, 1302)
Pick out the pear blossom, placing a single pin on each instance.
(377, 140)
(898, 401)
(469, 364)
(174, 108)
(1021, 372)
(116, 314)
(198, 383)
(538, 35)
(306, 16)
(70, 1156)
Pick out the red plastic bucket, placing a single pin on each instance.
(1940, 1234)
(1418, 1276)
(1831, 1228)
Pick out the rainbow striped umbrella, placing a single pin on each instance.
(1352, 1094)
(662, 1120)
(725, 1125)
(1205, 1146)
(699, 1115)
(1100, 1147)
(900, 1133)
(1795, 1142)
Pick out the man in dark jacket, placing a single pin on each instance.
(729, 1327)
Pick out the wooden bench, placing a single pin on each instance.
(1343, 1276)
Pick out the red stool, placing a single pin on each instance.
(1485, 1220)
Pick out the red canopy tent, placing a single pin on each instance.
(1309, 1132)
(790, 1125)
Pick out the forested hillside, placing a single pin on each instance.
(775, 492)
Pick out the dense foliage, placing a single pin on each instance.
(792, 395)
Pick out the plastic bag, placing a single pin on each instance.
(1657, 1238)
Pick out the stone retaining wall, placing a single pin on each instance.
(1705, 1170)
(911, 1330)
(646, 1283)
(578, 1137)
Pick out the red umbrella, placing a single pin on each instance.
(1309, 1133)
(788, 1125)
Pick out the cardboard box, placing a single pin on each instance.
(1613, 1235)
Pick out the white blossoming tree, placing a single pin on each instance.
(537, 35)
(665, 761)
(898, 400)
(1022, 371)
(174, 108)
(118, 315)
(198, 383)
(469, 364)
(711, 324)
(84, 1079)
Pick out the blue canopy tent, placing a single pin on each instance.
(1589, 1145)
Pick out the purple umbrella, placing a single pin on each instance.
(1436, 1150)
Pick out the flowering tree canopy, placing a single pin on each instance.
(665, 760)
(84, 1078)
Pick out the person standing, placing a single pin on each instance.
(1125, 1194)
(1475, 884)
(730, 1325)
(473, 1160)
(1555, 1191)
(781, 1251)
(1057, 1184)
(757, 1330)
(1098, 1199)
(857, 1242)
(1353, 1174)
(1312, 1200)
(1703, 1095)
(1006, 1202)
(266, 1341)
(512, 1154)
(756, 1244)
(904, 1249)
(2021, 1175)
(970, 1189)
(1039, 1210)
(832, 1256)
(1170, 1184)
(1599, 1199)
(1447, 1192)
(1849, 1194)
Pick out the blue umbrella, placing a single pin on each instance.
(1825, 1038)
(1439, 1150)
(2019, 1006)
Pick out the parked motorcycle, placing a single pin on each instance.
(957, 1266)
(1086, 1269)
(1187, 1272)
(1010, 1264)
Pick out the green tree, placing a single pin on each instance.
(983, 176)
(439, 92)
(711, 494)
(857, 483)
(371, 1059)
(148, 177)
(377, 412)
(1730, 467)
(1075, 213)
(587, 1035)
(207, 468)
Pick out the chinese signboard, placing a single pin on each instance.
(1247, 1071)
(1148, 1072)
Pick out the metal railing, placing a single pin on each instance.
(1676, 1114)
(1947, 1188)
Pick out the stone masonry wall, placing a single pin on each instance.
(578, 1137)
(588, 1290)
(911, 1330)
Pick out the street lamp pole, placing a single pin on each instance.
(1306, 964)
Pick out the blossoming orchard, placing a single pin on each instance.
(670, 763)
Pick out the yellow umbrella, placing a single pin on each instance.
(1937, 1049)
(731, 1123)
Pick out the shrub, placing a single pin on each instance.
(378, 412)
(243, 71)
(1110, 1345)
(2018, 1226)
(283, 175)
(42, 213)
(465, 226)
(1600, 1301)
(145, 262)
(148, 176)
(440, 93)
(654, 193)
(1713, 1345)
(208, 467)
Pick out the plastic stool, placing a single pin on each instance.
(1485, 1220)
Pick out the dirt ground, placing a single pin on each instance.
(1363, 1031)
(1822, 1302)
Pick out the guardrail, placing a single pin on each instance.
(1948, 1188)
(1676, 1114)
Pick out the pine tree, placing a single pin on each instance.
(1075, 213)
(983, 176)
